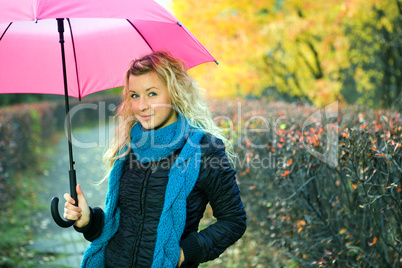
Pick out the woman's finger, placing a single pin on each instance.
(69, 199)
(71, 209)
(69, 206)
(71, 215)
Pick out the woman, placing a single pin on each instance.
(167, 162)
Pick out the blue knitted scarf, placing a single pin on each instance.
(154, 145)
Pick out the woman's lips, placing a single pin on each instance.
(146, 117)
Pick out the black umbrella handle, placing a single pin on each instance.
(54, 205)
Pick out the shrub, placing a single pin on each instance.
(26, 129)
(345, 215)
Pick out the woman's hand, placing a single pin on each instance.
(80, 214)
(181, 260)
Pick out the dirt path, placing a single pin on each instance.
(64, 247)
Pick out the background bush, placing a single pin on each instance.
(347, 215)
(26, 129)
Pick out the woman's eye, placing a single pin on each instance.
(134, 96)
(152, 94)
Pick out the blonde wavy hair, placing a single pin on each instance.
(185, 96)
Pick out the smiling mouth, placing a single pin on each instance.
(146, 117)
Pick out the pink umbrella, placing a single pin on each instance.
(101, 37)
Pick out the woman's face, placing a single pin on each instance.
(150, 101)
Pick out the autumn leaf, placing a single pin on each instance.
(245, 172)
(248, 143)
(397, 145)
(289, 162)
(285, 173)
(299, 230)
(342, 231)
(374, 241)
(301, 222)
(354, 186)
(345, 135)
(377, 127)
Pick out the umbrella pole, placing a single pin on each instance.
(73, 181)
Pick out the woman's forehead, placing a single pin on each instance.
(146, 82)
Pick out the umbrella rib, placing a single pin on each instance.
(145, 40)
(198, 42)
(5, 31)
(75, 60)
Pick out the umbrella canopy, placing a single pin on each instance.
(98, 38)
(101, 37)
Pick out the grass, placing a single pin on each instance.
(16, 221)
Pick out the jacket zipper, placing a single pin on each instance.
(142, 197)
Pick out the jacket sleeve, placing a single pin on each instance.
(95, 226)
(219, 183)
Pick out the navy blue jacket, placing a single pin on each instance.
(141, 197)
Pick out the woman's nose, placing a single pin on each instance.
(143, 104)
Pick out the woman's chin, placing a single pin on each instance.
(146, 125)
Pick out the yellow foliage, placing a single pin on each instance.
(296, 47)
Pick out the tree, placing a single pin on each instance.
(374, 30)
(307, 55)
(316, 50)
(269, 44)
